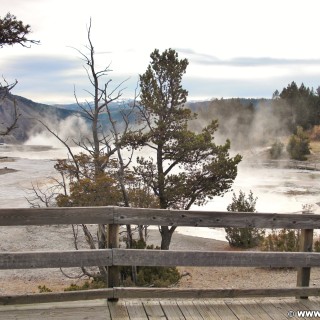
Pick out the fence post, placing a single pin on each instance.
(306, 243)
(113, 271)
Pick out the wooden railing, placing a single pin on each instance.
(115, 257)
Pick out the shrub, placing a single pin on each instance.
(243, 237)
(316, 246)
(284, 240)
(315, 133)
(94, 284)
(276, 150)
(157, 276)
(149, 276)
(43, 289)
(298, 146)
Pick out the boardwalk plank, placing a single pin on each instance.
(272, 310)
(284, 307)
(136, 310)
(311, 304)
(239, 310)
(206, 311)
(255, 310)
(221, 309)
(210, 309)
(118, 310)
(86, 313)
(153, 310)
(171, 310)
(189, 311)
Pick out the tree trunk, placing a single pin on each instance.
(102, 236)
(129, 237)
(166, 235)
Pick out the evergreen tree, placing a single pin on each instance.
(185, 168)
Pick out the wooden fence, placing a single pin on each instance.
(113, 257)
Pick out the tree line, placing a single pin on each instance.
(257, 122)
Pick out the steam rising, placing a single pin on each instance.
(72, 129)
(246, 126)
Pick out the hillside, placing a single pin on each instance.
(30, 112)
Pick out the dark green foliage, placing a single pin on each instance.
(316, 247)
(94, 284)
(300, 106)
(298, 146)
(284, 240)
(13, 31)
(188, 168)
(44, 289)
(276, 150)
(149, 276)
(157, 276)
(243, 237)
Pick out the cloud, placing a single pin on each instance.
(39, 65)
(52, 79)
(206, 59)
(206, 88)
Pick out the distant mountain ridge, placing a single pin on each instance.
(29, 112)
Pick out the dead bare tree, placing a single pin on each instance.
(7, 127)
(102, 151)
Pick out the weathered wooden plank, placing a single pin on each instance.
(153, 310)
(255, 310)
(221, 309)
(214, 218)
(46, 216)
(118, 310)
(212, 293)
(271, 310)
(171, 310)
(55, 259)
(56, 296)
(206, 311)
(126, 257)
(239, 310)
(284, 307)
(310, 304)
(97, 313)
(189, 311)
(121, 215)
(136, 310)
(306, 243)
(113, 242)
(57, 311)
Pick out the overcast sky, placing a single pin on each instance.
(235, 48)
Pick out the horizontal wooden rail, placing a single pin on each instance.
(212, 293)
(138, 216)
(125, 257)
(49, 216)
(53, 259)
(156, 293)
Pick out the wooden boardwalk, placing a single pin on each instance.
(233, 309)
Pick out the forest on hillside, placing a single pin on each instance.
(257, 122)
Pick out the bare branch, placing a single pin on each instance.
(66, 145)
